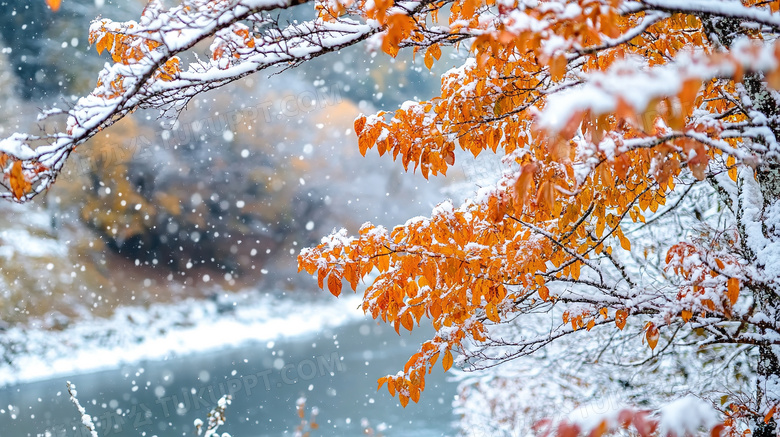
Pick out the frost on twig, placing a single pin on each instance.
(86, 419)
(215, 418)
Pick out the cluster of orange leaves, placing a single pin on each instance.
(704, 280)
(457, 268)
(738, 412)
(17, 181)
(242, 41)
(129, 49)
(14, 172)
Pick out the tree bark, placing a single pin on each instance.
(722, 32)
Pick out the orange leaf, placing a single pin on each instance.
(733, 290)
(524, 184)
(769, 415)
(54, 5)
(690, 89)
(407, 321)
(334, 284)
(428, 58)
(599, 430)
(446, 362)
(360, 124)
(414, 392)
(19, 184)
(321, 278)
(652, 334)
(620, 318)
(558, 67)
(492, 312)
(545, 195)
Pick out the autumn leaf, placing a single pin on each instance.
(54, 5)
(770, 414)
(446, 362)
(381, 381)
(621, 316)
(731, 163)
(558, 67)
(600, 116)
(733, 290)
(334, 284)
(321, 274)
(652, 335)
(545, 196)
(19, 184)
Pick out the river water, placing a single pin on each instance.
(335, 369)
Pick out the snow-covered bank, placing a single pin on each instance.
(134, 334)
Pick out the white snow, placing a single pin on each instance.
(164, 330)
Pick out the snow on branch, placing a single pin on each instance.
(687, 416)
(148, 73)
(86, 419)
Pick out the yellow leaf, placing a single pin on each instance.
(731, 163)
(624, 242)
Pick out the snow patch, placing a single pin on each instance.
(134, 334)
